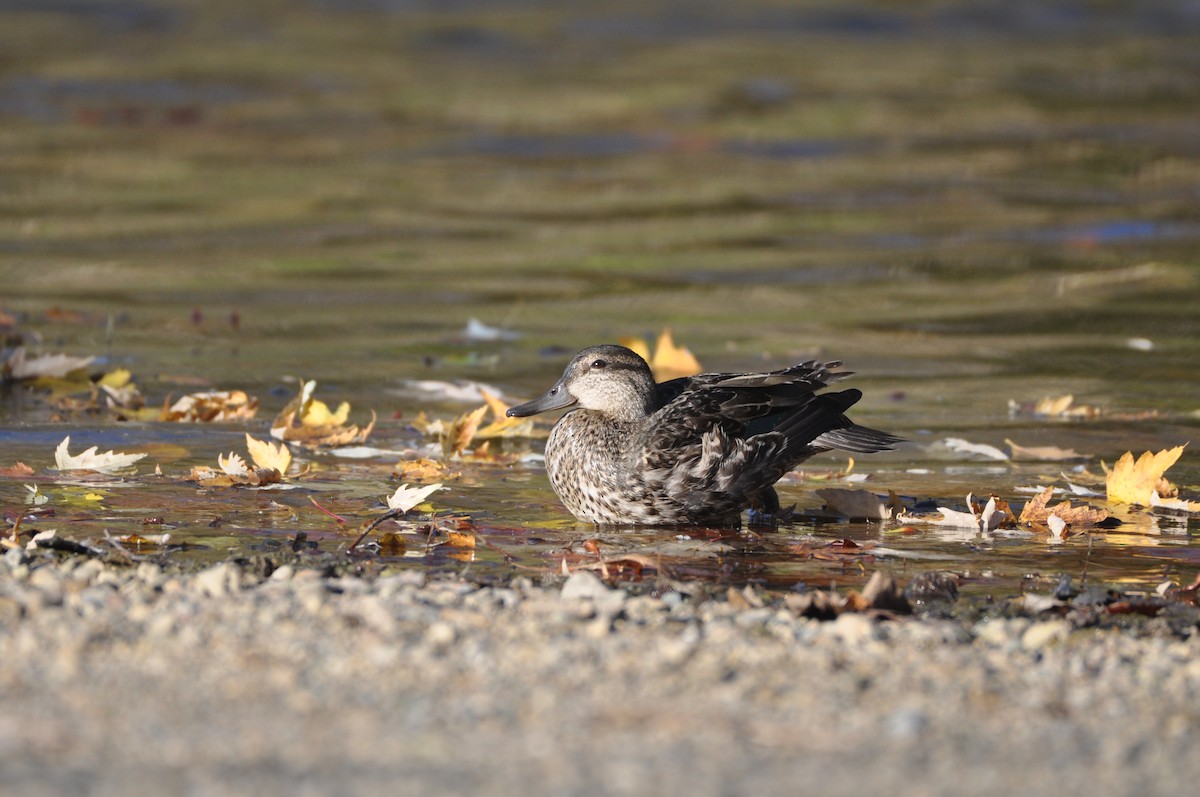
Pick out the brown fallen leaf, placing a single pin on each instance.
(1135, 482)
(1038, 511)
(1043, 453)
(257, 477)
(18, 470)
(423, 470)
(211, 406)
(860, 504)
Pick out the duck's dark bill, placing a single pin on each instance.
(556, 398)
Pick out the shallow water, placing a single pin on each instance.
(967, 205)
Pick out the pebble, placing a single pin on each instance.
(1044, 634)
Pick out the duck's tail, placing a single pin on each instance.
(858, 439)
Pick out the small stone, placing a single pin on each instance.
(582, 584)
(283, 573)
(440, 634)
(1045, 634)
(46, 581)
(218, 580)
(150, 574)
(15, 557)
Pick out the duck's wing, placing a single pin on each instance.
(737, 434)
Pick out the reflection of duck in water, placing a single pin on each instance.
(696, 450)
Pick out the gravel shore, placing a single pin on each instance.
(134, 679)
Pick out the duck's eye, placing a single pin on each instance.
(599, 364)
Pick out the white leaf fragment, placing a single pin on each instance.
(107, 462)
(405, 497)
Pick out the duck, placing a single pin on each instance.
(698, 450)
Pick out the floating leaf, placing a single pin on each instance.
(1043, 453)
(961, 446)
(422, 470)
(1173, 503)
(18, 366)
(1038, 510)
(668, 361)
(18, 470)
(1134, 482)
(210, 406)
(107, 462)
(860, 503)
(269, 455)
(310, 423)
(1053, 407)
(405, 497)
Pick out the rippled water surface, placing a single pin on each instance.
(967, 204)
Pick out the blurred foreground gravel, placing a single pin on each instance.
(132, 680)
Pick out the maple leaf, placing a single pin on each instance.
(18, 366)
(269, 455)
(1038, 510)
(233, 465)
(668, 360)
(18, 470)
(213, 405)
(1131, 482)
(405, 497)
(107, 462)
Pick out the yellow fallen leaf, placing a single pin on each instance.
(668, 360)
(495, 404)
(671, 361)
(116, 378)
(93, 497)
(461, 432)
(1131, 482)
(297, 422)
(269, 455)
(422, 470)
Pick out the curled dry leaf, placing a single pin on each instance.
(310, 423)
(107, 462)
(1135, 482)
(18, 470)
(210, 406)
(1038, 510)
(864, 504)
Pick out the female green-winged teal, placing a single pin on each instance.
(696, 450)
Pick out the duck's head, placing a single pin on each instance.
(610, 379)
